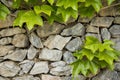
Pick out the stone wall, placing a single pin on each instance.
(46, 52)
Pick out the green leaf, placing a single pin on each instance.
(16, 3)
(51, 1)
(94, 67)
(81, 0)
(110, 1)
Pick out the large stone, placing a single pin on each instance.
(58, 63)
(11, 31)
(48, 29)
(117, 43)
(35, 41)
(84, 20)
(92, 29)
(3, 78)
(102, 21)
(117, 66)
(4, 41)
(20, 40)
(50, 77)
(5, 49)
(76, 30)
(117, 20)
(40, 67)
(51, 55)
(8, 69)
(115, 30)
(105, 34)
(17, 55)
(74, 44)
(56, 42)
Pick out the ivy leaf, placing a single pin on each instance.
(51, 1)
(81, 0)
(93, 67)
(16, 3)
(110, 1)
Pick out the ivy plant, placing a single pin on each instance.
(94, 56)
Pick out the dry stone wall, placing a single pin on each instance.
(46, 52)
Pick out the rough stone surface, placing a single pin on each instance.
(84, 20)
(58, 63)
(11, 31)
(117, 43)
(115, 30)
(20, 40)
(8, 69)
(56, 42)
(76, 30)
(5, 41)
(35, 41)
(50, 77)
(17, 55)
(79, 77)
(117, 20)
(2, 78)
(74, 44)
(92, 29)
(40, 67)
(102, 21)
(105, 34)
(51, 55)
(117, 66)
(48, 29)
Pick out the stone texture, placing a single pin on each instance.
(5, 49)
(2, 78)
(17, 55)
(8, 69)
(92, 29)
(105, 34)
(115, 30)
(76, 30)
(48, 29)
(56, 42)
(50, 77)
(35, 40)
(84, 20)
(5, 41)
(117, 43)
(51, 55)
(117, 20)
(58, 63)
(94, 35)
(102, 21)
(74, 44)
(117, 66)
(79, 77)
(11, 31)
(20, 40)
(40, 67)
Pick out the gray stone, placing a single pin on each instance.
(115, 30)
(79, 77)
(11, 31)
(51, 55)
(74, 44)
(117, 20)
(92, 29)
(1, 59)
(76, 30)
(117, 43)
(84, 20)
(3, 78)
(40, 67)
(8, 69)
(117, 66)
(32, 51)
(68, 57)
(58, 63)
(17, 55)
(20, 40)
(5, 41)
(48, 29)
(105, 34)
(5, 49)
(102, 21)
(56, 42)
(26, 66)
(35, 41)
(50, 77)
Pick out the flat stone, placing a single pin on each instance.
(76, 30)
(9, 69)
(74, 44)
(117, 66)
(117, 43)
(79, 77)
(58, 63)
(20, 40)
(84, 20)
(3, 78)
(17, 55)
(11, 31)
(5, 41)
(32, 51)
(68, 57)
(50, 77)
(5, 49)
(105, 34)
(56, 42)
(117, 20)
(102, 21)
(48, 29)
(51, 55)
(35, 40)
(92, 29)
(40, 67)
(115, 30)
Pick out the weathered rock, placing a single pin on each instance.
(117, 66)
(11, 31)
(117, 43)
(1, 59)
(76, 30)
(117, 20)
(51, 55)
(35, 41)
(50, 77)
(32, 51)
(2, 78)
(102, 21)
(92, 29)
(68, 57)
(17, 55)
(48, 29)
(5, 49)
(40, 67)
(79, 77)
(5, 41)
(58, 63)
(56, 42)
(105, 34)
(84, 20)
(8, 69)
(20, 40)
(115, 30)
(74, 44)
